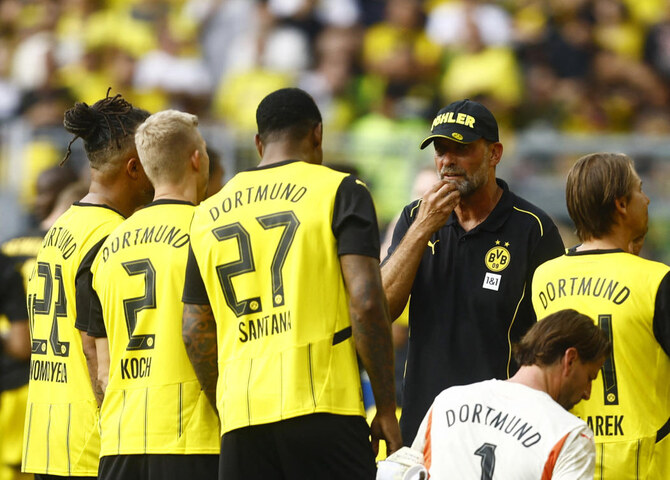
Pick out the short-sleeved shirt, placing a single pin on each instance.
(61, 428)
(154, 403)
(629, 407)
(470, 299)
(499, 429)
(265, 256)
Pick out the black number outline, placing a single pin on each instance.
(60, 349)
(290, 222)
(245, 262)
(43, 307)
(132, 306)
(488, 453)
(608, 370)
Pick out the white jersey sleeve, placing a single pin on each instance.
(577, 457)
(420, 438)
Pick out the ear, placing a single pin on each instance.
(134, 167)
(259, 145)
(621, 205)
(495, 153)
(569, 360)
(195, 160)
(318, 135)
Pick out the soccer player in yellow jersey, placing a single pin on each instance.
(61, 437)
(285, 268)
(156, 422)
(14, 372)
(629, 297)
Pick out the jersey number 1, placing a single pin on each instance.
(488, 453)
(610, 388)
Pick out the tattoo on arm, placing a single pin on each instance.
(199, 334)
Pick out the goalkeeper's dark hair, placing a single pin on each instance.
(286, 113)
(107, 128)
(548, 339)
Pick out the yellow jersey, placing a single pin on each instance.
(153, 403)
(61, 435)
(266, 258)
(629, 407)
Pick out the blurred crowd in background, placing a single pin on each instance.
(554, 73)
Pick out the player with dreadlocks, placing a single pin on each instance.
(61, 435)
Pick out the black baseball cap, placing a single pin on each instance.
(463, 121)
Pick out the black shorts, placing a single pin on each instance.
(42, 476)
(158, 467)
(318, 446)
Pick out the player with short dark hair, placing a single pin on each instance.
(61, 427)
(629, 297)
(520, 428)
(286, 114)
(282, 291)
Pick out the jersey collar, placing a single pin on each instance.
(169, 201)
(272, 165)
(101, 205)
(572, 251)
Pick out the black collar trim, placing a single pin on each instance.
(572, 251)
(101, 205)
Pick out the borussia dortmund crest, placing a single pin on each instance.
(497, 259)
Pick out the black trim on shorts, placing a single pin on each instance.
(43, 476)
(159, 467)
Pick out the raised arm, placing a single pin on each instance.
(199, 335)
(399, 270)
(372, 337)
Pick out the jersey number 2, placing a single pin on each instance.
(245, 264)
(132, 306)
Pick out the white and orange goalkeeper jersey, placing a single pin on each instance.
(498, 429)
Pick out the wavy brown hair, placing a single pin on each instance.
(547, 340)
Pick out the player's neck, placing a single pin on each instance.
(611, 241)
(280, 151)
(186, 192)
(535, 377)
(111, 190)
(99, 195)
